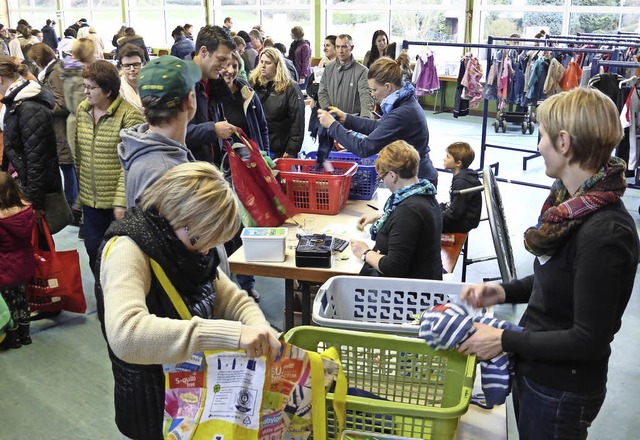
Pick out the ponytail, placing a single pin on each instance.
(385, 70)
(10, 69)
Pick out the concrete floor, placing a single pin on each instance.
(60, 387)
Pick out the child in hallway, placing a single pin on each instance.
(462, 213)
(16, 258)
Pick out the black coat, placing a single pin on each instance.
(285, 118)
(30, 142)
(201, 133)
(49, 37)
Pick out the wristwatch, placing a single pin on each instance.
(364, 255)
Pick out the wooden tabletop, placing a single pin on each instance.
(342, 225)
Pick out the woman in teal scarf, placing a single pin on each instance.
(407, 232)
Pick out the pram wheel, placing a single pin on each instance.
(496, 126)
(504, 126)
(524, 128)
(531, 128)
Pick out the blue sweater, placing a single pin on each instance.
(406, 121)
(183, 48)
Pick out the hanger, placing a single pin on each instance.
(626, 81)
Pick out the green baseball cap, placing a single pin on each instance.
(168, 78)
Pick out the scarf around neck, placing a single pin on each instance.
(422, 187)
(562, 213)
(188, 271)
(388, 103)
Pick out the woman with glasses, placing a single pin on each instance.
(402, 118)
(100, 118)
(407, 232)
(130, 61)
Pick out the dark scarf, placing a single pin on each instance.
(562, 213)
(191, 273)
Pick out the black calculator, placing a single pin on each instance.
(339, 244)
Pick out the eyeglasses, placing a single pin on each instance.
(192, 240)
(90, 88)
(130, 65)
(381, 177)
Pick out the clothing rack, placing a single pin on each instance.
(485, 113)
(595, 65)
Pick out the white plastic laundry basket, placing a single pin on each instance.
(380, 304)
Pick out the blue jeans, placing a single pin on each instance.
(544, 413)
(70, 183)
(96, 223)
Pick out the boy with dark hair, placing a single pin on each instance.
(462, 213)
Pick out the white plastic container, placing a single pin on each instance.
(264, 244)
(379, 304)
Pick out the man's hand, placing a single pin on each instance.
(38, 214)
(224, 130)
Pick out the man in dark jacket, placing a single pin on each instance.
(209, 128)
(49, 36)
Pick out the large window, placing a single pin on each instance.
(417, 20)
(155, 19)
(276, 17)
(557, 17)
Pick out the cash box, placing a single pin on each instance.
(314, 251)
(264, 244)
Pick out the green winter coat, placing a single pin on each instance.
(99, 170)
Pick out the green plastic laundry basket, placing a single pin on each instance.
(426, 391)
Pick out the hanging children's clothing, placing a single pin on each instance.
(473, 90)
(461, 105)
(572, 75)
(554, 76)
(426, 76)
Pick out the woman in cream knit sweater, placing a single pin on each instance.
(174, 226)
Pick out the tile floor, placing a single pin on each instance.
(60, 387)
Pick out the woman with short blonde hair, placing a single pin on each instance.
(586, 252)
(172, 233)
(282, 103)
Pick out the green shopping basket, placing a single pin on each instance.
(413, 391)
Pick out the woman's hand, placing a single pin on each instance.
(285, 155)
(224, 130)
(118, 212)
(338, 114)
(485, 343)
(325, 118)
(358, 248)
(259, 341)
(367, 219)
(483, 295)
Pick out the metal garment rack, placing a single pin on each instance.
(485, 113)
(568, 39)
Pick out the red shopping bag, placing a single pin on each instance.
(56, 284)
(257, 189)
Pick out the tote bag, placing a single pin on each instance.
(226, 394)
(256, 188)
(56, 284)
